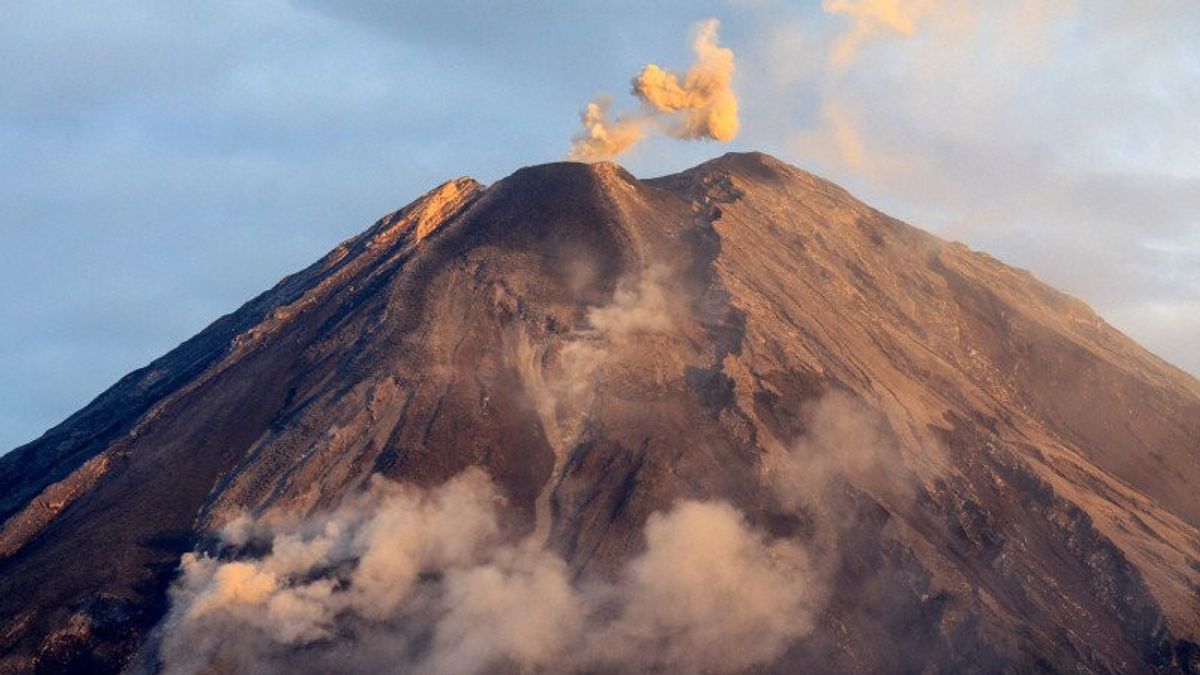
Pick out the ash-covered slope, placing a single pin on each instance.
(985, 474)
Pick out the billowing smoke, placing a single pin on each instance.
(708, 595)
(425, 581)
(358, 566)
(705, 101)
(872, 19)
(700, 104)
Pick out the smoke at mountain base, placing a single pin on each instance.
(427, 581)
(424, 581)
(700, 104)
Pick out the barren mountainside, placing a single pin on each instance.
(984, 475)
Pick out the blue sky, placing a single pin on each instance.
(162, 161)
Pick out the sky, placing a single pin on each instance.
(162, 161)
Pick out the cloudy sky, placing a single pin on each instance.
(161, 162)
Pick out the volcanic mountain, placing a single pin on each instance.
(982, 475)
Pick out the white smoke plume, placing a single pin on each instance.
(700, 104)
(424, 581)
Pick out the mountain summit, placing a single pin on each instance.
(978, 473)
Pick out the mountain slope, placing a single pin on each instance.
(992, 476)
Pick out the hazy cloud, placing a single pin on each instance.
(871, 19)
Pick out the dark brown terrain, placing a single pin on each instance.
(1030, 502)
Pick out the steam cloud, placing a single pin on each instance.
(425, 581)
(701, 104)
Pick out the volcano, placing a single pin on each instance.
(984, 476)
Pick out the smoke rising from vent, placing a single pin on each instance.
(601, 137)
(697, 105)
(425, 581)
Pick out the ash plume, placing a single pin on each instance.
(704, 97)
(697, 105)
(424, 581)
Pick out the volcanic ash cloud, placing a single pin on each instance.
(699, 104)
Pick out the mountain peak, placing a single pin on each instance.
(569, 172)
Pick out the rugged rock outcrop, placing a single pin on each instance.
(1008, 482)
